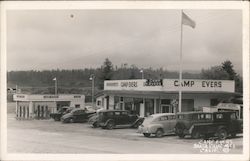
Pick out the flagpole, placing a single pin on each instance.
(180, 72)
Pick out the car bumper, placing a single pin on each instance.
(142, 130)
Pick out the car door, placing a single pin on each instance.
(82, 116)
(117, 118)
(163, 120)
(78, 116)
(171, 123)
(75, 115)
(132, 118)
(125, 118)
(234, 123)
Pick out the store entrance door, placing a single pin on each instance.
(167, 109)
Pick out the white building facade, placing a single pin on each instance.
(40, 106)
(144, 97)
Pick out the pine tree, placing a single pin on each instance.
(227, 66)
(106, 72)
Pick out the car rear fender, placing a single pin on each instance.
(222, 127)
(109, 120)
(139, 119)
(154, 127)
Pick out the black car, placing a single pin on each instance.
(76, 115)
(110, 119)
(208, 124)
(62, 111)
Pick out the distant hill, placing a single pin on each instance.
(77, 81)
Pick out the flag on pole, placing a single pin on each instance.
(187, 20)
(54, 79)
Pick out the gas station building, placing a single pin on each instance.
(40, 106)
(146, 96)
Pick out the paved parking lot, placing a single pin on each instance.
(48, 136)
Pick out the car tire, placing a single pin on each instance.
(179, 130)
(195, 134)
(146, 134)
(181, 135)
(110, 125)
(222, 134)
(71, 120)
(159, 133)
(95, 125)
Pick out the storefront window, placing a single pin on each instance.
(128, 103)
(187, 105)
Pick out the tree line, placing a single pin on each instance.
(78, 80)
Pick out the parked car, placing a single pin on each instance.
(76, 115)
(158, 124)
(207, 124)
(110, 119)
(94, 119)
(62, 111)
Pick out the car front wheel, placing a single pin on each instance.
(71, 120)
(181, 135)
(110, 125)
(95, 125)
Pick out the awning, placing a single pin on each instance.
(158, 94)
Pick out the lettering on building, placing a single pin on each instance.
(153, 82)
(212, 84)
(112, 84)
(129, 84)
(20, 96)
(184, 83)
(51, 96)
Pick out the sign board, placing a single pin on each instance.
(170, 85)
(199, 85)
(133, 84)
(25, 97)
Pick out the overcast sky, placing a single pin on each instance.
(75, 39)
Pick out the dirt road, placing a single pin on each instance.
(48, 136)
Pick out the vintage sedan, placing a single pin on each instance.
(76, 115)
(208, 124)
(158, 124)
(109, 119)
(63, 110)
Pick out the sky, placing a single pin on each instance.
(77, 39)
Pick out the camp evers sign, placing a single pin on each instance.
(199, 85)
(170, 85)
